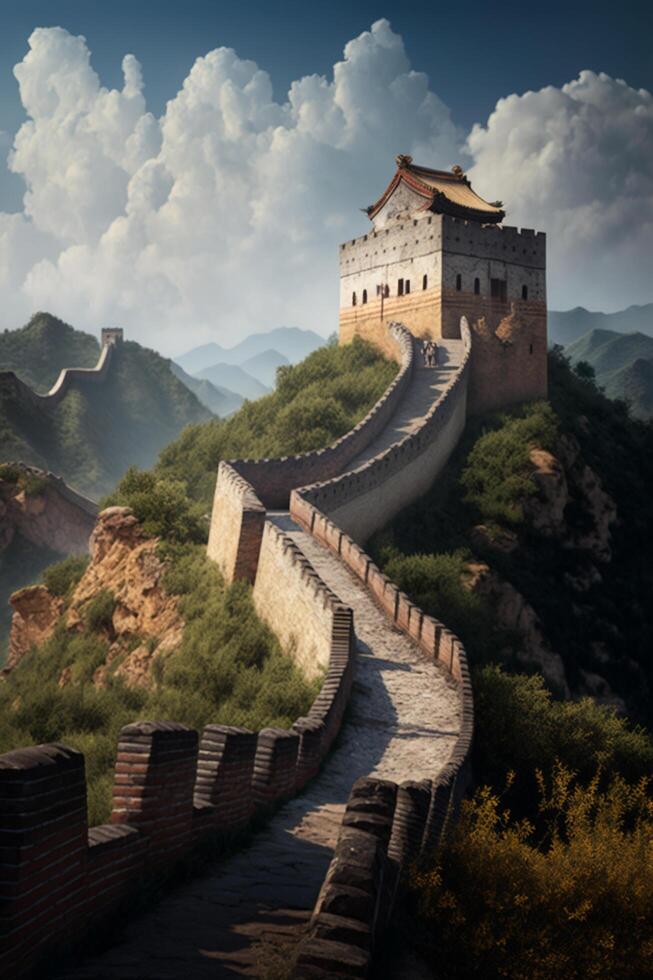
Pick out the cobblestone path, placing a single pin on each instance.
(402, 724)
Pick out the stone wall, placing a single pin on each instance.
(172, 788)
(294, 602)
(67, 378)
(386, 826)
(237, 521)
(364, 500)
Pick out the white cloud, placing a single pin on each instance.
(576, 162)
(224, 216)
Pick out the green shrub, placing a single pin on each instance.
(435, 583)
(160, 504)
(501, 901)
(497, 477)
(62, 577)
(520, 729)
(98, 612)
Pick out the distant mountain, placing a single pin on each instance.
(291, 342)
(38, 351)
(200, 357)
(220, 401)
(233, 378)
(566, 327)
(634, 383)
(99, 428)
(264, 366)
(623, 364)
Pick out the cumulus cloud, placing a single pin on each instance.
(576, 162)
(224, 215)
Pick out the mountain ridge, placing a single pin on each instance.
(567, 326)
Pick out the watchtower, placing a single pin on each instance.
(438, 252)
(112, 335)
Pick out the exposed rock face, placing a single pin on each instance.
(560, 480)
(35, 615)
(47, 513)
(145, 620)
(514, 613)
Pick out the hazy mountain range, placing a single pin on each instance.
(248, 370)
(623, 364)
(568, 326)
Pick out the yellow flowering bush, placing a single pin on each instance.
(570, 899)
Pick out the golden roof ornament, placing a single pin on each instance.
(457, 170)
(403, 160)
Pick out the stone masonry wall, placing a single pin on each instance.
(172, 787)
(294, 602)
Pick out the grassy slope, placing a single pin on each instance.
(314, 403)
(38, 351)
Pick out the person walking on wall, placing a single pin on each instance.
(425, 352)
(434, 354)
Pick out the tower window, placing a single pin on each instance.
(499, 289)
(353, 299)
(477, 286)
(524, 292)
(365, 296)
(530, 348)
(400, 287)
(407, 286)
(425, 282)
(459, 282)
(386, 291)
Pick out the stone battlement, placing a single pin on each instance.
(172, 787)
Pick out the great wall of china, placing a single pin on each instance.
(369, 803)
(68, 377)
(368, 780)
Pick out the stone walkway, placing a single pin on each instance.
(402, 724)
(426, 387)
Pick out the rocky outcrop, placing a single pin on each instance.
(43, 510)
(564, 479)
(143, 621)
(35, 614)
(514, 614)
(125, 563)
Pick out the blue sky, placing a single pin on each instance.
(127, 199)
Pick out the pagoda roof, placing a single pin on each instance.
(443, 191)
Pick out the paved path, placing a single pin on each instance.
(402, 724)
(426, 387)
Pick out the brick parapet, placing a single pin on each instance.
(171, 789)
(420, 812)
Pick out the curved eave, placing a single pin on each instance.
(434, 199)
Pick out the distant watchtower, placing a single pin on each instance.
(438, 252)
(112, 335)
